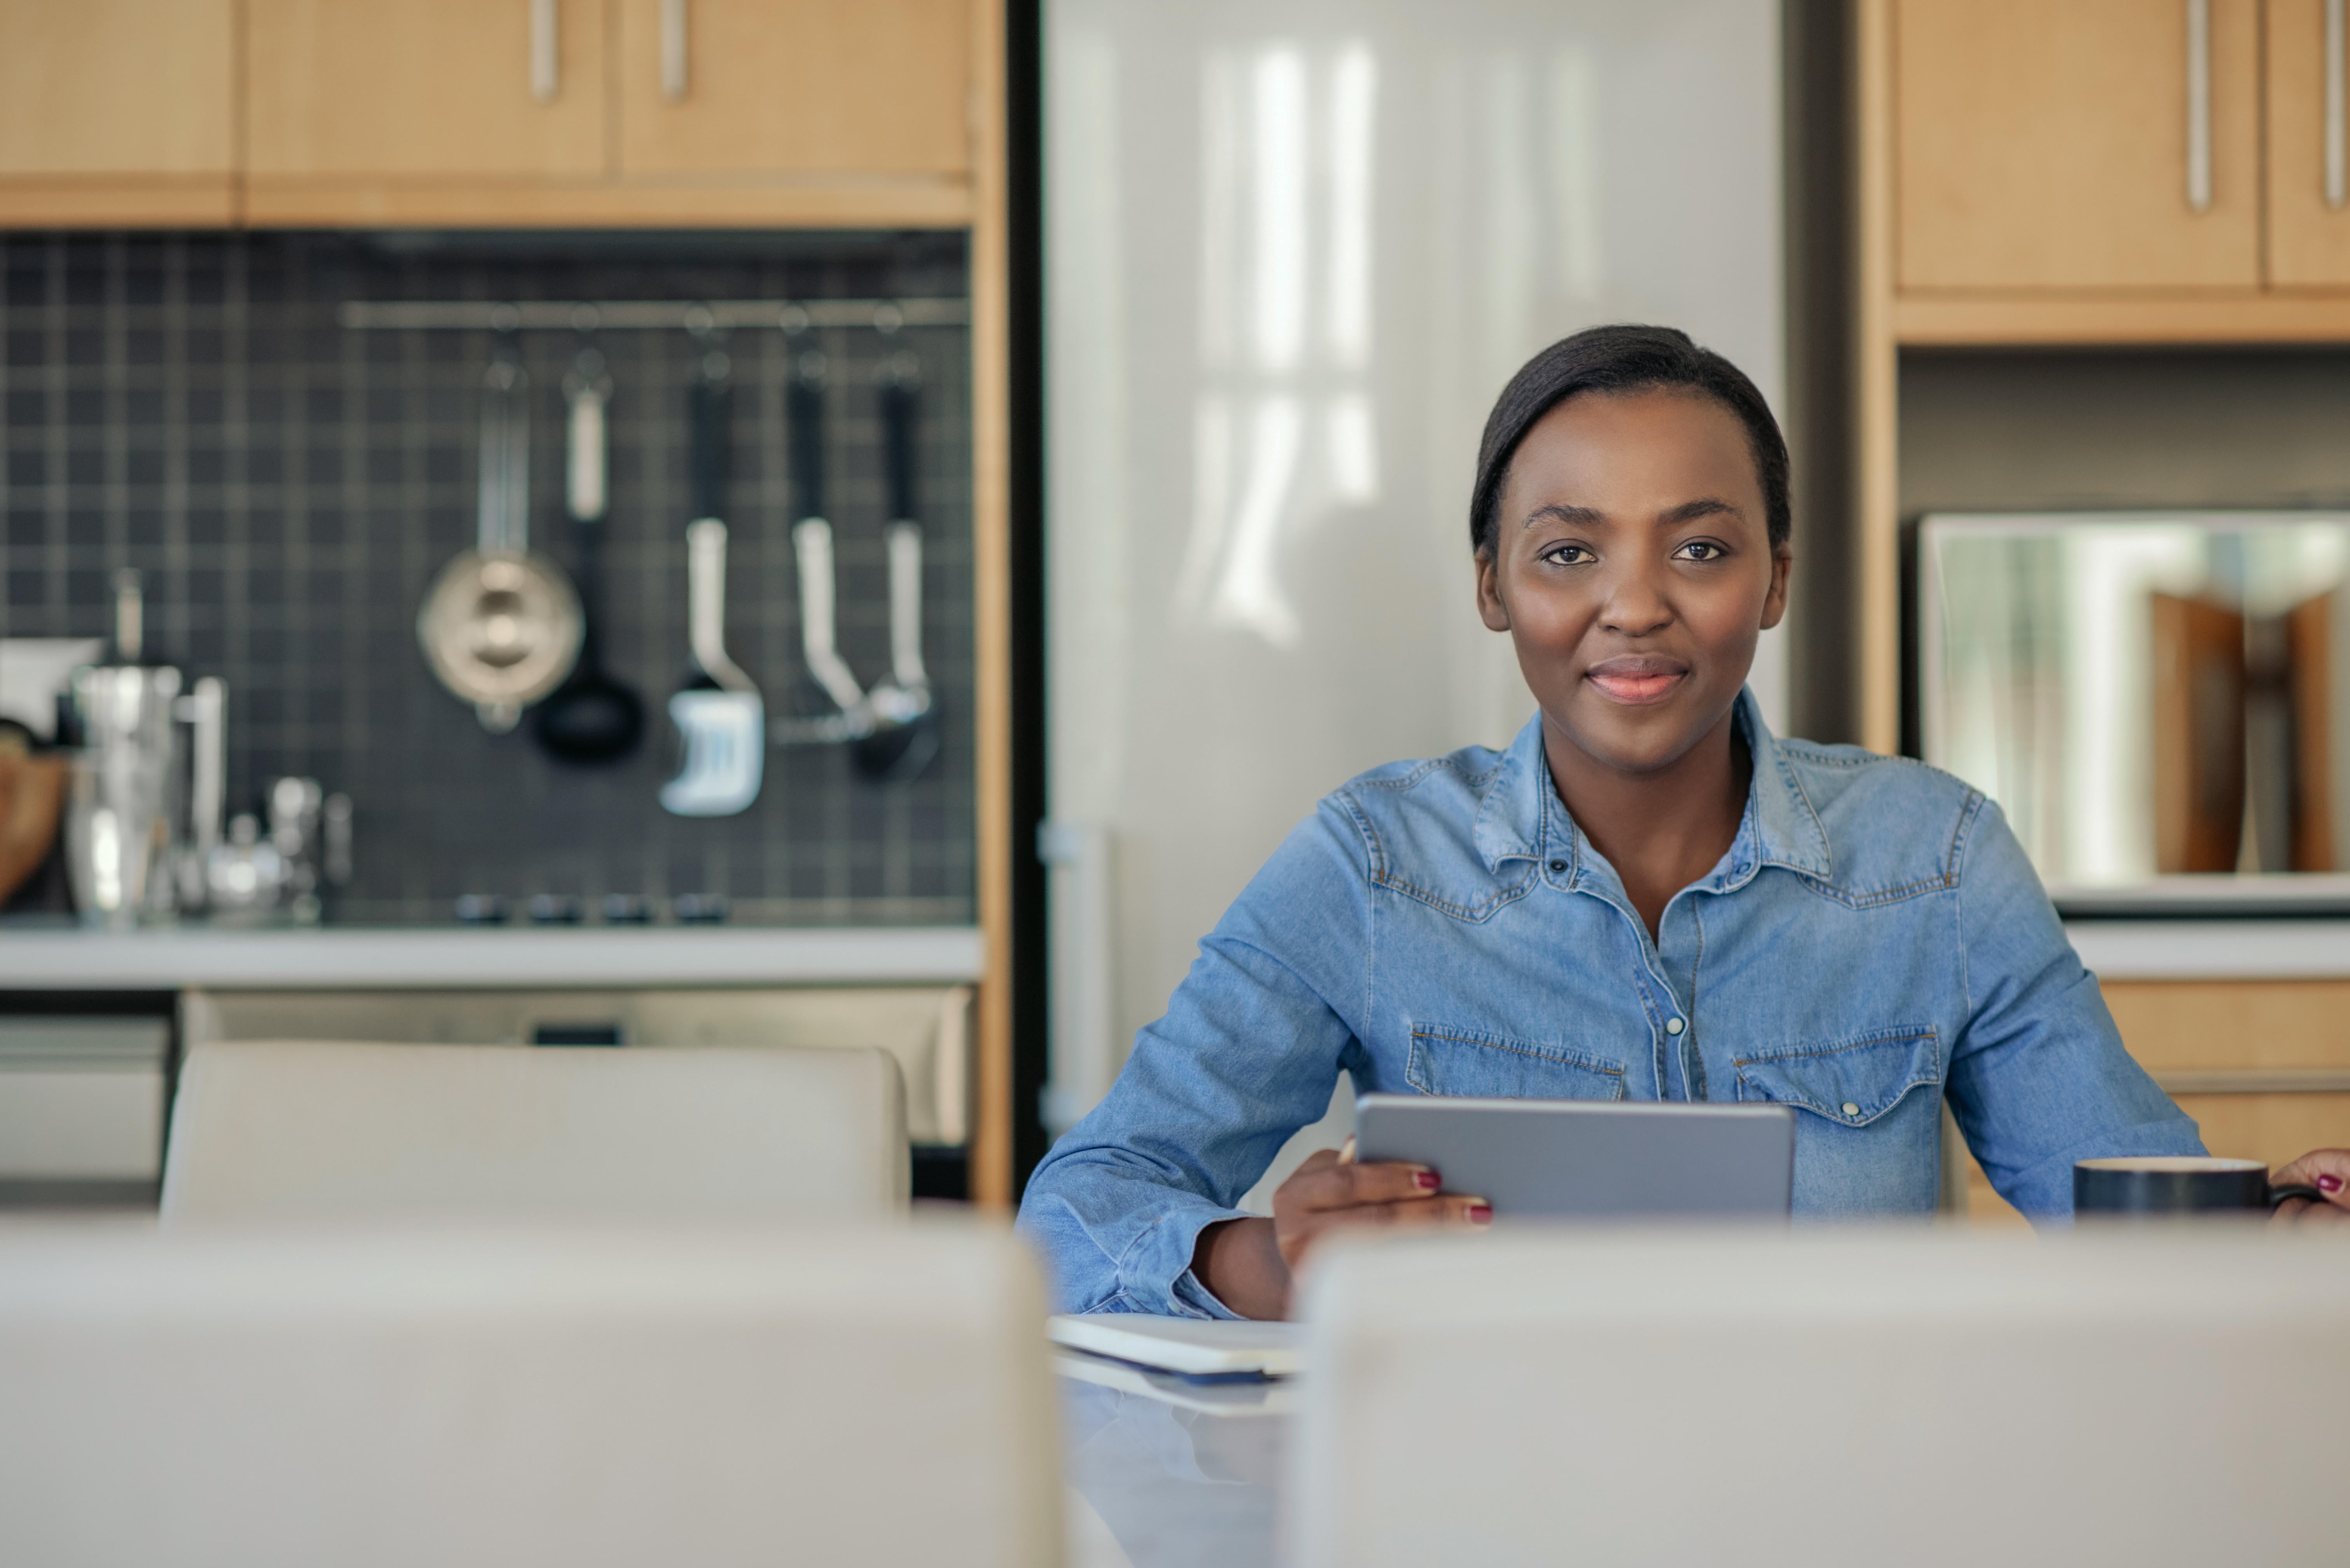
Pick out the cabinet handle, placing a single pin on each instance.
(2199, 105)
(2337, 159)
(543, 78)
(672, 49)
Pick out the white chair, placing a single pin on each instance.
(1826, 1399)
(282, 1399)
(307, 1129)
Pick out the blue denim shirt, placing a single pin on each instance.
(1873, 942)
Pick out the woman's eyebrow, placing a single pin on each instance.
(1690, 510)
(1573, 517)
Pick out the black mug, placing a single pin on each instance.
(2146, 1185)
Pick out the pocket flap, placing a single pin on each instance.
(1448, 1059)
(1852, 1081)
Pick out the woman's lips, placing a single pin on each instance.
(1636, 680)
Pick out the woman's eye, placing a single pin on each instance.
(1567, 554)
(1700, 550)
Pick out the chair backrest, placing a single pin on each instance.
(1826, 1399)
(281, 1398)
(300, 1129)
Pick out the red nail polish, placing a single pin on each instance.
(1426, 1180)
(1481, 1214)
(2329, 1184)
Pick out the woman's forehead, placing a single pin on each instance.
(1636, 451)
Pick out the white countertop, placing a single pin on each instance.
(345, 957)
(41, 958)
(2213, 950)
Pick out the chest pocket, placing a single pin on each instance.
(1449, 1060)
(1850, 1082)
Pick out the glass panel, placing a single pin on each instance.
(2145, 695)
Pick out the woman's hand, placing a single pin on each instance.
(1330, 1191)
(2326, 1169)
(1250, 1264)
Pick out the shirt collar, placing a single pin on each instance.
(1521, 817)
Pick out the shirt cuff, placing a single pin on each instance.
(1158, 1267)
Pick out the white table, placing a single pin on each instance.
(1157, 1487)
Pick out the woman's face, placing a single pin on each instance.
(1632, 568)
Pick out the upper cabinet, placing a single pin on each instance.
(2077, 144)
(764, 88)
(490, 112)
(2309, 185)
(424, 90)
(117, 112)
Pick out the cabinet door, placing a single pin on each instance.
(2309, 227)
(755, 88)
(431, 88)
(2046, 144)
(116, 111)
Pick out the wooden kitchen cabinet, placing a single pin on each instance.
(730, 91)
(356, 113)
(118, 112)
(2263, 1067)
(2309, 226)
(2044, 144)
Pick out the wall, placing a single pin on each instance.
(187, 405)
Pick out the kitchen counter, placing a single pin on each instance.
(2213, 950)
(47, 959)
(321, 957)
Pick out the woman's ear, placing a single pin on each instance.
(1774, 603)
(1490, 607)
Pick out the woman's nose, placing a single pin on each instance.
(1636, 606)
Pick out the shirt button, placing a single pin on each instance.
(1672, 1026)
(1558, 865)
(1850, 1109)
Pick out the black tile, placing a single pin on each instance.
(328, 477)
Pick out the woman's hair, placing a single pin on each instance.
(1625, 359)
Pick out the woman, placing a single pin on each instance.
(1646, 896)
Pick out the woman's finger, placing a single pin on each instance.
(2326, 1169)
(1453, 1209)
(1322, 1183)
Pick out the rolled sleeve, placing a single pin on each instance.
(1251, 1046)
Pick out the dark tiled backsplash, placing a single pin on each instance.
(188, 406)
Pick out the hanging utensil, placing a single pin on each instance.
(501, 626)
(812, 536)
(721, 719)
(890, 726)
(591, 718)
(905, 721)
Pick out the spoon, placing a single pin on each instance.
(591, 718)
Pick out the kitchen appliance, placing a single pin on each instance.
(501, 628)
(81, 1107)
(1293, 252)
(282, 874)
(2159, 702)
(119, 791)
(719, 717)
(591, 718)
(34, 674)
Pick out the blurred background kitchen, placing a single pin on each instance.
(649, 523)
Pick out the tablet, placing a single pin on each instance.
(1591, 1160)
